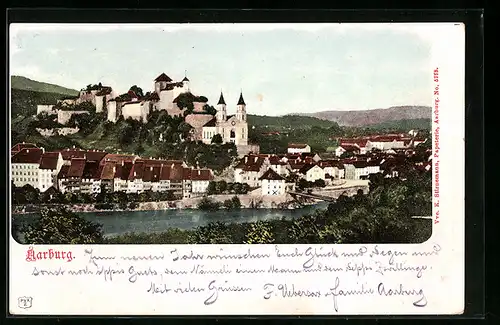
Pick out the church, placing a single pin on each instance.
(232, 128)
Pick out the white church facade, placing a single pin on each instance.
(231, 128)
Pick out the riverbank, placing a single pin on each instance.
(252, 200)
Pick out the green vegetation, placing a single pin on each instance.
(303, 184)
(317, 137)
(23, 83)
(60, 226)
(288, 122)
(223, 187)
(207, 204)
(24, 102)
(402, 125)
(232, 204)
(384, 215)
(30, 195)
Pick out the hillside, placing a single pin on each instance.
(404, 125)
(23, 83)
(374, 116)
(23, 102)
(276, 123)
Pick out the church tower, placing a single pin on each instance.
(221, 109)
(185, 83)
(241, 110)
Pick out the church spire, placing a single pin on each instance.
(185, 76)
(241, 101)
(221, 100)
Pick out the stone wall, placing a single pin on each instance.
(63, 117)
(44, 108)
(246, 149)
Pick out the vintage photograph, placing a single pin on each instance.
(220, 134)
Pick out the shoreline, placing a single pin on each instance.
(248, 201)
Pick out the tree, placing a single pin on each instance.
(217, 139)
(319, 183)
(302, 184)
(221, 186)
(139, 149)
(236, 203)
(137, 90)
(31, 194)
(213, 233)
(212, 188)
(260, 232)
(210, 109)
(208, 205)
(60, 226)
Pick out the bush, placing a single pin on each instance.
(232, 204)
(103, 206)
(207, 204)
(60, 226)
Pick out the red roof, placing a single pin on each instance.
(137, 171)
(165, 173)
(76, 168)
(305, 168)
(108, 171)
(95, 155)
(123, 170)
(20, 146)
(353, 142)
(186, 174)
(49, 160)
(151, 173)
(201, 175)
(118, 158)
(68, 154)
(176, 172)
(350, 148)
(92, 170)
(27, 156)
(63, 173)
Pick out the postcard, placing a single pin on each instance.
(237, 169)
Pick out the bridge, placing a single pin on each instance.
(349, 191)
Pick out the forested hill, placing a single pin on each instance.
(23, 83)
(24, 102)
(278, 123)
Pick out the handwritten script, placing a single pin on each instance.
(265, 272)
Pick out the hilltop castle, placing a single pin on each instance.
(166, 95)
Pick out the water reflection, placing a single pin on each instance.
(119, 222)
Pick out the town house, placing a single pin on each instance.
(272, 183)
(312, 172)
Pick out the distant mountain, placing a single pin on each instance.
(374, 116)
(23, 83)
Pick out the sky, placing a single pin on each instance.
(299, 68)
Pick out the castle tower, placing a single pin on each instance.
(185, 83)
(241, 110)
(221, 109)
(161, 82)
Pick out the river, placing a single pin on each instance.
(119, 222)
